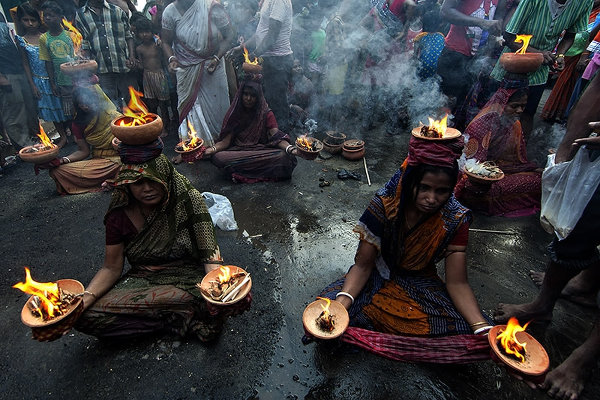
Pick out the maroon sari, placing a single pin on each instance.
(253, 155)
(494, 137)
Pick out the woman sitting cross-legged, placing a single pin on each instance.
(495, 134)
(411, 224)
(250, 147)
(160, 223)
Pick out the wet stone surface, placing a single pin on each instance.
(294, 237)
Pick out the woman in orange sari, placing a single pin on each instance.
(411, 224)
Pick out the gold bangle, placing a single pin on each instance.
(475, 324)
(560, 55)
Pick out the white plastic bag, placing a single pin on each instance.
(220, 211)
(566, 190)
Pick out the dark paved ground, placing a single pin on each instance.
(298, 239)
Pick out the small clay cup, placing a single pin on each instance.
(38, 157)
(521, 63)
(140, 134)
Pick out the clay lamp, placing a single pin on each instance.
(190, 145)
(53, 307)
(325, 318)
(226, 285)
(436, 130)
(353, 149)
(137, 126)
(251, 67)
(521, 62)
(42, 152)
(309, 147)
(519, 351)
(79, 68)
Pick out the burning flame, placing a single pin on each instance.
(508, 339)
(48, 293)
(326, 306)
(46, 142)
(304, 142)
(75, 35)
(194, 139)
(525, 40)
(224, 274)
(136, 110)
(439, 126)
(247, 59)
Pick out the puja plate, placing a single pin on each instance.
(338, 312)
(213, 276)
(70, 285)
(485, 180)
(450, 134)
(38, 157)
(536, 359)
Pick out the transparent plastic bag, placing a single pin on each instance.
(566, 190)
(220, 211)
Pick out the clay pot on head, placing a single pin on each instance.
(80, 67)
(38, 157)
(137, 135)
(521, 63)
(252, 68)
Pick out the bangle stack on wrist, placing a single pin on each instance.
(287, 149)
(171, 59)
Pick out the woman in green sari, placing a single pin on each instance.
(160, 222)
(76, 173)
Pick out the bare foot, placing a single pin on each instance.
(568, 379)
(577, 291)
(177, 159)
(523, 312)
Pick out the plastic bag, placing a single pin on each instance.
(566, 190)
(220, 211)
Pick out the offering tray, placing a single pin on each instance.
(450, 134)
(536, 359)
(483, 179)
(213, 275)
(339, 314)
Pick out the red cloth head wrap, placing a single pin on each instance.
(441, 153)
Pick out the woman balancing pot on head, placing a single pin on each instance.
(250, 147)
(159, 222)
(410, 224)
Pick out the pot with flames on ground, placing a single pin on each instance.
(80, 67)
(137, 126)
(521, 62)
(53, 307)
(436, 130)
(40, 153)
(518, 350)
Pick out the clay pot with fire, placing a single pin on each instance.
(521, 62)
(251, 67)
(137, 126)
(308, 147)
(40, 153)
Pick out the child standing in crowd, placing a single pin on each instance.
(156, 88)
(55, 48)
(49, 106)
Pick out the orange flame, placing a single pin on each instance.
(247, 59)
(304, 142)
(194, 139)
(75, 35)
(508, 339)
(136, 112)
(46, 142)
(326, 306)
(224, 274)
(48, 293)
(439, 126)
(525, 40)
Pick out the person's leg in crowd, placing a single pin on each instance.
(453, 68)
(277, 74)
(108, 83)
(533, 100)
(18, 113)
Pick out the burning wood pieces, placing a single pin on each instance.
(226, 286)
(135, 113)
(325, 320)
(306, 143)
(48, 301)
(435, 129)
(192, 143)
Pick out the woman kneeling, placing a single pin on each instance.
(160, 222)
(410, 224)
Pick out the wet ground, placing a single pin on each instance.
(294, 237)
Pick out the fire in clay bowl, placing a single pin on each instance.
(250, 67)
(226, 285)
(137, 126)
(527, 356)
(40, 153)
(192, 144)
(53, 308)
(521, 62)
(79, 67)
(436, 130)
(309, 147)
(325, 318)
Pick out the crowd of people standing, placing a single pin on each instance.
(330, 61)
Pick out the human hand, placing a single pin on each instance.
(494, 26)
(559, 63)
(549, 58)
(173, 64)
(233, 52)
(595, 126)
(213, 64)
(590, 142)
(47, 165)
(131, 62)
(582, 63)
